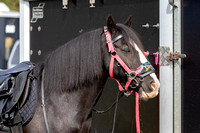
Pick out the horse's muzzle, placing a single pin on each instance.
(154, 87)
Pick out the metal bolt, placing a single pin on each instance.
(81, 30)
(156, 26)
(39, 28)
(145, 25)
(65, 3)
(31, 28)
(31, 52)
(39, 52)
(92, 2)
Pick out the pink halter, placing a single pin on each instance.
(142, 71)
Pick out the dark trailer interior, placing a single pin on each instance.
(9, 34)
(190, 69)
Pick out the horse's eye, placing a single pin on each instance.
(125, 48)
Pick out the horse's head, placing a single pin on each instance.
(125, 61)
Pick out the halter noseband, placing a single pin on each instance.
(141, 72)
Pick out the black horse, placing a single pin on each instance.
(73, 76)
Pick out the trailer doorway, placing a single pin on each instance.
(51, 26)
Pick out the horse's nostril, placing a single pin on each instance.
(153, 86)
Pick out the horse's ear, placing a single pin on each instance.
(111, 23)
(128, 21)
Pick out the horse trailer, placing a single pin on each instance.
(9, 33)
(168, 30)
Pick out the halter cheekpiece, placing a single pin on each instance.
(136, 76)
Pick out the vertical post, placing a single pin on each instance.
(166, 71)
(24, 31)
(177, 68)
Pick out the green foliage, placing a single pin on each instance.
(12, 4)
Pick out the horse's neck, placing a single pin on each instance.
(74, 108)
(69, 110)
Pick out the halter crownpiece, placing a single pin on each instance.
(141, 72)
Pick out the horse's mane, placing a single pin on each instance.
(75, 63)
(78, 62)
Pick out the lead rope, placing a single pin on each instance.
(43, 104)
(115, 113)
(137, 115)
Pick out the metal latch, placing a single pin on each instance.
(175, 56)
(166, 56)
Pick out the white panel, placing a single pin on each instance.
(24, 31)
(177, 68)
(166, 72)
(10, 14)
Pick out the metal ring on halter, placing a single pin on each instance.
(136, 84)
(133, 75)
(114, 53)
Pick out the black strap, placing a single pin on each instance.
(121, 94)
(17, 128)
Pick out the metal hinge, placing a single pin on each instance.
(164, 52)
(171, 2)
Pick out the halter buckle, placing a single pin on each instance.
(127, 94)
